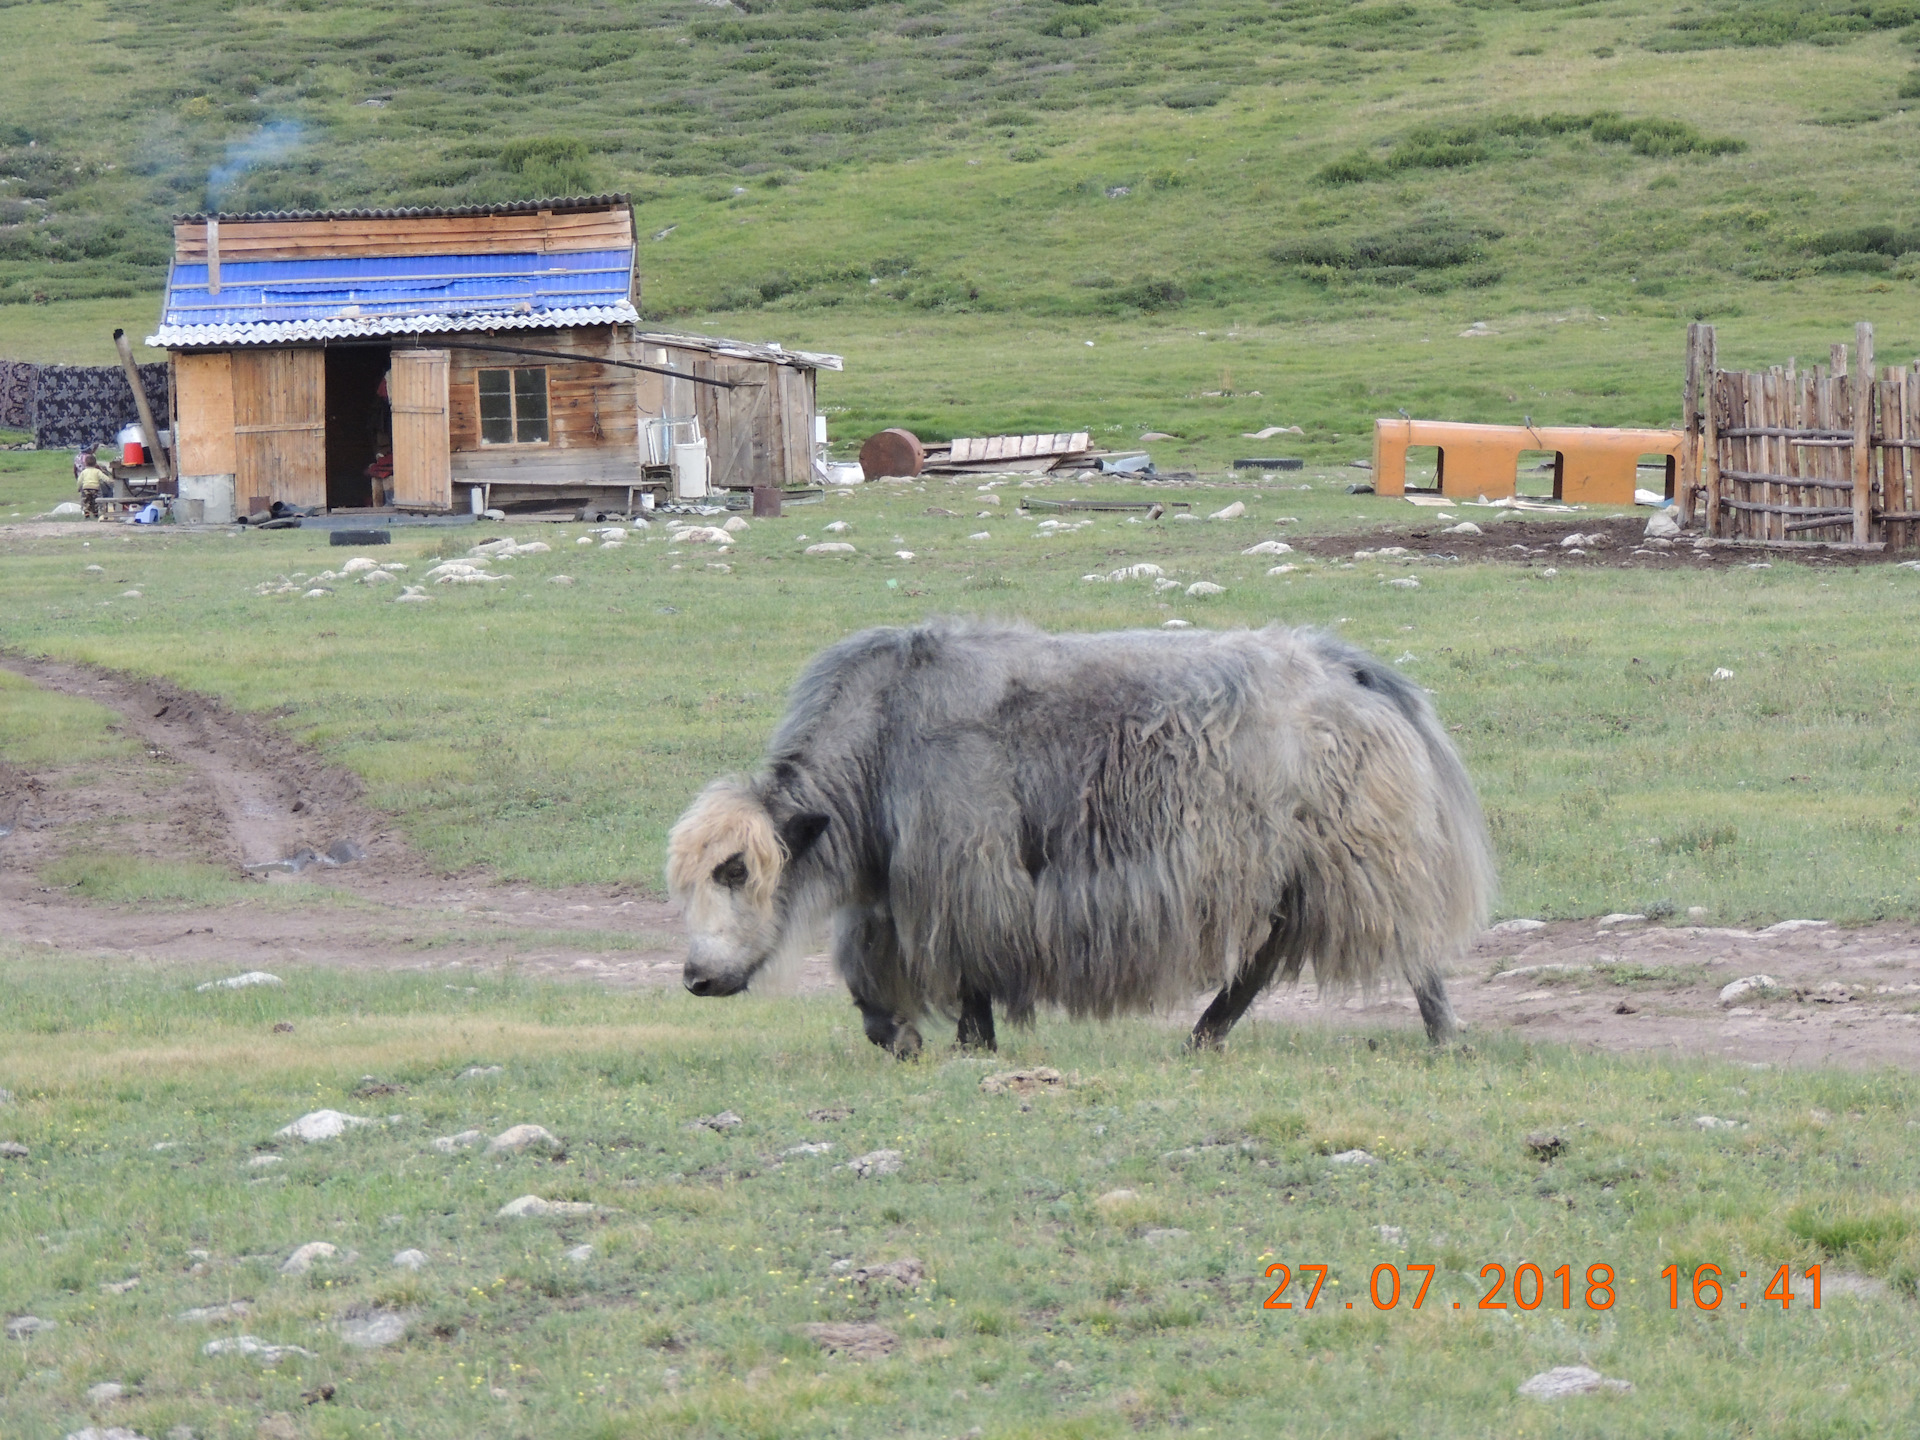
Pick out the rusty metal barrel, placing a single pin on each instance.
(892, 452)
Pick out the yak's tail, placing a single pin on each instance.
(1399, 874)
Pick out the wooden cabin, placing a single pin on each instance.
(408, 358)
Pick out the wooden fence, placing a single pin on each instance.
(1786, 456)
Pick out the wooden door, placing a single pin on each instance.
(739, 445)
(422, 462)
(280, 426)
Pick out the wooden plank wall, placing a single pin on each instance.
(594, 411)
(417, 389)
(202, 393)
(542, 232)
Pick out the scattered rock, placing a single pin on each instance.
(977, 535)
(1117, 1197)
(1544, 1144)
(302, 1259)
(1405, 582)
(856, 1342)
(1787, 927)
(25, 1325)
(1232, 512)
(1745, 986)
(1714, 1122)
(1202, 588)
(1392, 1234)
(833, 527)
(1465, 527)
(724, 1121)
(322, 1125)
(1565, 1380)
(1517, 927)
(232, 1310)
(1663, 524)
(895, 1274)
(450, 1144)
(13, 1150)
(524, 1137)
(830, 1115)
(253, 1345)
(68, 507)
(809, 1147)
(579, 1254)
(560, 579)
(1352, 1157)
(1269, 547)
(840, 547)
(1723, 673)
(534, 1206)
(1176, 624)
(1606, 922)
(371, 1332)
(410, 1260)
(476, 1072)
(241, 982)
(120, 1287)
(875, 1162)
(1023, 1082)
(283, 1027)
(112, 1432)
(1143, 571)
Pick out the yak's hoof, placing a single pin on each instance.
(905, 1044)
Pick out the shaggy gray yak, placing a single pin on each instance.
(1107, 823)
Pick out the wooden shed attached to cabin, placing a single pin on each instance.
(401, 359)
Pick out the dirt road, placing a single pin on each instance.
(230, 790)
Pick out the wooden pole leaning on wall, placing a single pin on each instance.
(1863, 388)
(162, 465)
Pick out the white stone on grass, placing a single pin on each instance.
(533, 1206)
(302, 1260)
(903, 555)
(111, 1432)
(1232, 512)
(450, 1144)
(370, 1332)
(261, 1162)
(560, 579)
(830, 547)
(1517, 926)
(241, 982)
(523, 1137)
(1405, 582)
(875, 1162)
(736, 526)
(1714, 1122)
(1620, 918)
(1176, 624)
(1269, 547)
(207, 1314)
(1787, 927)
(106, 1392)
(1283, 569)
(1202, 588)
(809, 1147)
(1722, 673)
(22, 1326)
(410, 1260)
(1747, 986)
(579, 1254)
(1565, 1380)
(480, 1072)
(322, 1125)
(836, 527)
(254, 1346)
(1352, 1157)
(1465, 527)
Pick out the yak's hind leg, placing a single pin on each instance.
(1231, 1003)
(1430, 990)
(867, 954)
(976, 1021)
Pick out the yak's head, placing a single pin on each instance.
(726, 858)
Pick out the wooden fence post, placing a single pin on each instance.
(1710, 424)
(1689, 428)
(1863, 388)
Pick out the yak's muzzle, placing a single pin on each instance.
(702, 982)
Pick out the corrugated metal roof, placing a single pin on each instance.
(295, 332)
(559, 206)
(279, 291)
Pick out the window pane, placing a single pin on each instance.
(496, 407)
(530, 406)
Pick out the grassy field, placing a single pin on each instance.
(1052, 1304)
(551, 733)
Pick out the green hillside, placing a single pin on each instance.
(1365, 177)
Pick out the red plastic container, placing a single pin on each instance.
(133, 453)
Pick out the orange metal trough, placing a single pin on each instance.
(1592, 466)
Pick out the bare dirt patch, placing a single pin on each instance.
(225, 789)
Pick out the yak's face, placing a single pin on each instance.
(726, 859)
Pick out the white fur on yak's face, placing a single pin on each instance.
(725, 858)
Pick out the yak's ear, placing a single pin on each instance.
(798, 832)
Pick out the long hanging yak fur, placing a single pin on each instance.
(1107, 823)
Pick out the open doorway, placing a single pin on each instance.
(359, 426)
(1539, 474)
(1426, 466)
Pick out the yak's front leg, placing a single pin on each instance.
(1435, 1009)
(1210, 1033)
(976, 1021)
(866, 951)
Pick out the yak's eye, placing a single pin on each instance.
(732, 871)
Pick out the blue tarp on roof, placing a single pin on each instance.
(280, 292)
